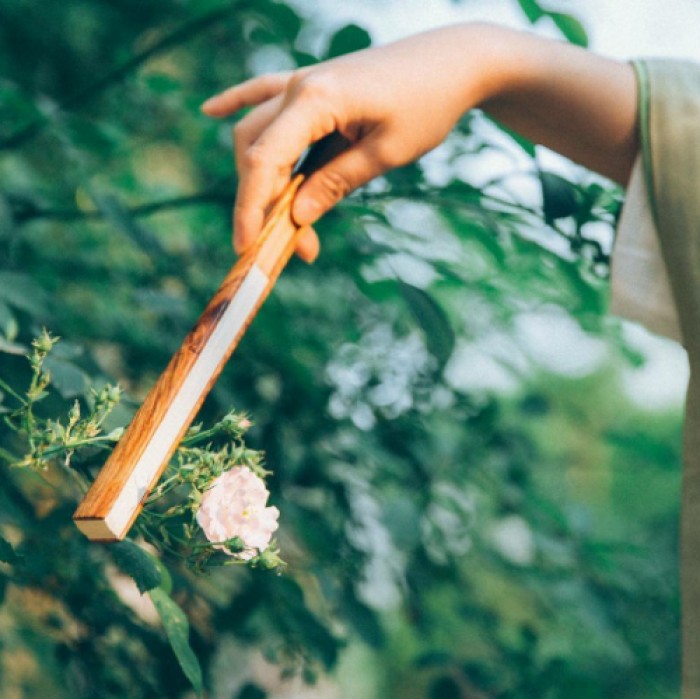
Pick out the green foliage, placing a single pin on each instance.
(137, 564)
(178, 630)
(567, 24)
(7, 553)
(52, 442)
(348, 39)
(439, 336)
(513, 543)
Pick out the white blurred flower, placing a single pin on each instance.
(513, 539)
(236, 506)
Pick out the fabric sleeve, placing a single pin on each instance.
(640, 289)
(670, 134)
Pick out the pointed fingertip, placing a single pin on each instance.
(207, 106)
(309, 257)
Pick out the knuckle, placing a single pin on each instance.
(316, 87)
(385, 154)
(254, 157)
(239, 132)
(334, 184)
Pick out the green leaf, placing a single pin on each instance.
(348, 39)
(313, 635)
(286, 21)
(251, 691)
(3, 587)
(8, 322)
(560, 197)
(571, 28)
(162, 84)
(444, 688)
(123, 220)
(177, 630)
(12, 347)
(21, 291)
(7, 552)
(532, 10)
(524, 143)
(66, 378)
(363, 620)
(137, 564)
(439, 334)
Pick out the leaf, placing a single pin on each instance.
(286, 21)
(3, 587)
(532, 10)
(8, 322)
(66, 378)
(123, 220)
(7, 552)
(363, 620)
(524, 143)
(444, 688)
(313, 635)
(21, 291)
(251, 691)
(560, 197)
(348, 39)
(12, 347)
(571, 28)
(162, 84)
(568, 25)
(177, 629)
(137, 564)
(439, 334)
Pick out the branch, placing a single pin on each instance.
(25, 212)
(184, 33)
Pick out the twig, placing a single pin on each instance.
(26, 213)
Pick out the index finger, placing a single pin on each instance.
(274, 153)
(246, 94)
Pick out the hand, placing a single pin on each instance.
(396, 102)
(392, 103)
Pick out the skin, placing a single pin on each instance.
(399, 101)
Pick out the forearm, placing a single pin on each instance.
(579, 104)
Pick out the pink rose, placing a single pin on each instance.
(235, 506)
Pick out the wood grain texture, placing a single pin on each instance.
(117, 495)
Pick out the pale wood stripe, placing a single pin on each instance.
(138, 460)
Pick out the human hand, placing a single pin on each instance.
(392, 103)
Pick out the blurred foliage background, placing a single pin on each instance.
(461, 518)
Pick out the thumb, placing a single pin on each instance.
(328, 185)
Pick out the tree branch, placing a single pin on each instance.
(179, 36)
(25, 212)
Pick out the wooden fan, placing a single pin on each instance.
(117, 495)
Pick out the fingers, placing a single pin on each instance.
(270, 158)
(246, 94)
(346, 172)
(245, 133)
(308, 245)
(293, 111)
